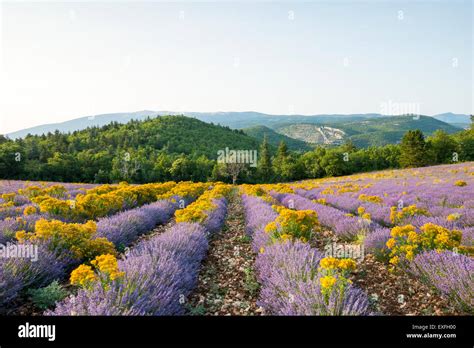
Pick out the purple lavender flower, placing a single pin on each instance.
(346, 227)
(9, 226)
(288, 272)
(451, 274)
(468, 236)
(159, 274)
(258, 214)
(18, 274)
(215, 218)
(123, 228)
(375, 243)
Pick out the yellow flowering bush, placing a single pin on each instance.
(280, 188)
(327, 282)
(397, 216)
(31, 191)
(372, 199)
(334, 275)
(348, 187)
(321, 201)
(107, 264)
(252, 190)
(54, 206)
(55, 190)
(35, 191)
(106, 270)
(361, 212)
(8, 197)
(83, 276)
(76, 238)
(453, 217)
(293, 224)
(327, 191)
(29, 210)
(460, 183)
(102, 200)
(100, 190)
(199, 210)
(7, 204)
(406, 242)
(142, 194)
(333, 263)
(184, 189)
(93, 206)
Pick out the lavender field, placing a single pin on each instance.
(397, 242)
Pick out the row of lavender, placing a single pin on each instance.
(462, 216)
(344, 226)
(16, 211)
(158, 273)
(11, 191)
(18, 274)
(444, 192)
(452, 274)
(289, 272)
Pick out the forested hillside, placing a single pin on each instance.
(138, 151)
(181, 148)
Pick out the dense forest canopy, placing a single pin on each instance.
(183, 148)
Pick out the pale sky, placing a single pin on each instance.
(62, 60)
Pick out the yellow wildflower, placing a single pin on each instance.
(327, 281)
(83, 276)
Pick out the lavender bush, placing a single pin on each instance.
(468, 236)
(345, 227)
(375, 243)
(215, 219)
(258, 214)
(451, 274)
(288, 273)
(18, 274)
(159, 274)
(9, 226)
(123, 228)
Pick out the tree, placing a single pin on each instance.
(233, 170)
(182, 168)
(333, 163)
(442, 147)
(161, 168)
(218, 172)
(413, 150)
(281, 163)
(348, 146)
(264, 170)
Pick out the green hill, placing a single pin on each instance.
(377, 131)
(180, 134)
(157, 149)
(274, 138)
(390, 130)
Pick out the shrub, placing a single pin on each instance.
(451, 274)
(46, 297)
(297, 224)
(406, 242)
(73, 237)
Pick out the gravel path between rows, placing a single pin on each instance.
(227, 284)
(397, 293)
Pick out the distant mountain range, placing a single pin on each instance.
(459, 120)
(300, 132)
